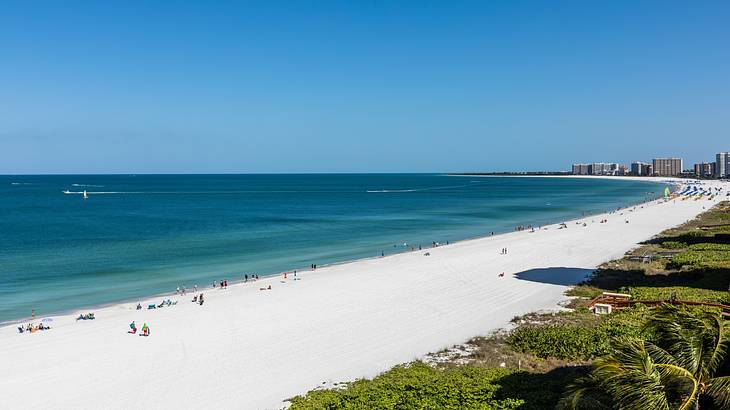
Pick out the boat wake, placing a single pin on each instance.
(418, 189)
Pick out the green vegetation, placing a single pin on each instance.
(578, 341)
(636, 358)
(678, 370)
(702, 256)
(416, 386)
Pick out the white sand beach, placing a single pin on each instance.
(251, 349)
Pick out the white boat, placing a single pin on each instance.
(86, 196)
(67, 192)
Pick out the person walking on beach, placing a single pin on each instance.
(245, 278)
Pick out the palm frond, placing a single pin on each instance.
(719, 389)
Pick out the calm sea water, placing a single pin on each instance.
(146, 234)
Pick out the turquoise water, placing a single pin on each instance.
(141, 235)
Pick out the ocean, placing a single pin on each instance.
(140, 235)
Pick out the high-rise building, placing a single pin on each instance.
(581, 169)
(722, 164)
(704, 169)
(639, 168)
(667, 167)
(602, 168)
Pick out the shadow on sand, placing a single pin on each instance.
(556, 275)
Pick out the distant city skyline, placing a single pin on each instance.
(666, 166)
(360, 87)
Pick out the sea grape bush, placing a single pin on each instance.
(416, 386)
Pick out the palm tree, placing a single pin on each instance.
(677, 371)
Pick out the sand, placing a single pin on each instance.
(251, 349)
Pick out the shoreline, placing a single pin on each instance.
(674, 182)
(247, 348)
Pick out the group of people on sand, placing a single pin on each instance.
(198, 299)
(503, 251)
(133, 329)
(31, 328)
(162, 304)
(253, 277)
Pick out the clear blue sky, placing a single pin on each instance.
(300, 86)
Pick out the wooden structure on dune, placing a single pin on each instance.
(607, 302)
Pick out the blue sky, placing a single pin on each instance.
(188, 87)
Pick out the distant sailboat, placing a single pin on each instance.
(86, 196)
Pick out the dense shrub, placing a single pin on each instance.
(674, 245)
(578, 342)
(702, 258)
(681, 292)
(415, 386)
(559, 341)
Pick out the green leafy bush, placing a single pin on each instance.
(674, 245)
(701, 258)
(575, 341)
(415, 386)
(559, 341)
(724, 247)
(682, 293)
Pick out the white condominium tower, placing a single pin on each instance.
(722, 164)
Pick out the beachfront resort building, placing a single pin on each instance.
(704, 169)
(580, 169)
(641, 168)
(599, 168)
(667, 167)
(604, 168)
(722, 165)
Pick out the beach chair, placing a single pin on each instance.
(151, 306)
